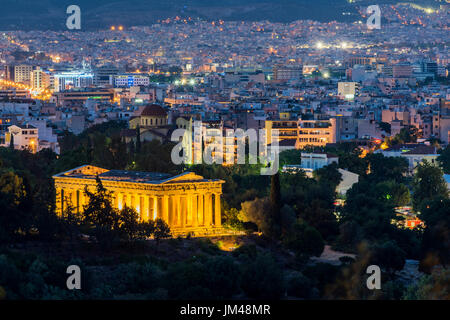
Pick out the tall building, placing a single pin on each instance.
(40, 79)
(102, 75)
(73, 79)
(187, 202)
(402, 70)
(316, 133)
(347, 90)
(287, 72)
(22, 74)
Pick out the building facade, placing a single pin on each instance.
(187, 202)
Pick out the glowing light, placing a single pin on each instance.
(120, 28)
(113, 28)
(319, 45)
(343, 45)
(192, 82)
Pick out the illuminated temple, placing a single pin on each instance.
(187, 202)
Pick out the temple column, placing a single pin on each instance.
(133, 201)
(152, 207)
(217, 211)
(194, 210)
(183, 211)
(159, 207)
(145, 209)
(177, 206)
(140, 204)
(58, 201)
(127, 196)
(115, 200)
(166, 209)
(171, 210)
(200, 209)
(208, 210)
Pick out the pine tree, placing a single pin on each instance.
(138, 139)
(275, 205)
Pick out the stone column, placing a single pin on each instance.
(58, 201)
(171, 210)
(145, 209)
(195, 210)
(159, 207)
(217, 209)
(201, 217)
(208, 210)
(183, 201)
(153, 208)
(166, 209)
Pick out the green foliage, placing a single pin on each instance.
(388, 255)
(436, 238)
(215, 278)
(444, 159)
(430, 287)
(304, 240)
(386, 168)
(428, 183)
(300, 286)
(329, 175)
(262, 278)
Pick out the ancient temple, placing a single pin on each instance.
(187, 202)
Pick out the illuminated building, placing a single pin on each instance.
(316, 133)
(347, 90)
(40, 79)
(286, 126)
(288, 72)
(152, 116)
(132, 80)
(68, 97)
(22, 73)
(24, 137)
(187, 202)
(73, 79)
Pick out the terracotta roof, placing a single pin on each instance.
(154, 110)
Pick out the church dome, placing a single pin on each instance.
(154, 110)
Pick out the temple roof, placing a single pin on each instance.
(91, 172)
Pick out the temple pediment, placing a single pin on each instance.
(187, 176)
(86, 170)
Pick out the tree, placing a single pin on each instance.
(258, 212)
(397, 193)
(304, 240)
(100, 213)
(162, 230)
(13, 212)
(436, 237)
(329, 175)
(129, 222)
(388, 256)
(430, 287)
(138, 139)
(262, 278)
(444, 159)
(428, 183)
(275, 206)
(387, 168)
